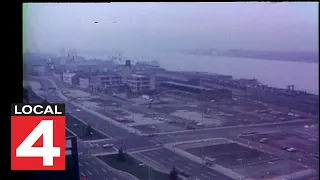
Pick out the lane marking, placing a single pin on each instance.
(170, 159)
(87, 163)
(82, 174)
(205, 176)
(80, 165)
(96, 171)
(93, 162)
(103, 170)
(194, 166)
(212, 174)
(115, 178)
(187, 167)
(89, 172)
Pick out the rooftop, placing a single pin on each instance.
(186, 85)
(139, 75)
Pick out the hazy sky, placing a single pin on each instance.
(136, 26)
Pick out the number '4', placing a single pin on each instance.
(47, 152)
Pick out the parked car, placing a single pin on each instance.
(107, 146)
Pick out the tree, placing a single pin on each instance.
(121, 156)
(173, 174)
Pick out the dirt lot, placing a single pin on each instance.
(269, 169)
(282, 139)
(231, 154)
(249, 162)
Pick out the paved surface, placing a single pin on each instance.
(92, 168)
(121, 138)
(169, 159)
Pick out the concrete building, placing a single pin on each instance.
(68, 77)
(57, 73)
(126, 71)
(196, 92)
(105, 82)
(84, 82)
(40, 69)
(141, 83)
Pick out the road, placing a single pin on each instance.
(94, 169)
(168, 159)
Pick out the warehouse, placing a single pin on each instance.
(197, 92)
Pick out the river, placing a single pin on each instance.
(270, 72)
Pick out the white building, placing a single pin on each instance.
(67, 77)
(39, 69)
(84, 82)
(106, 81)
(141, 82)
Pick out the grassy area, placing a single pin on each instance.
(131, 165)
(80, 129)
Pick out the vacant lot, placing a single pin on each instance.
(283, 139)
(131, 165)
(269, 169)
(231, 154)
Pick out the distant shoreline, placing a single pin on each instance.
(307, 61)
(305, 57)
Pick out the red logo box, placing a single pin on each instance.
(38, 142)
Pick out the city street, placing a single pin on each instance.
(93, 168)
(169, 159)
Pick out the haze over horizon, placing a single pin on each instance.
(48, 27)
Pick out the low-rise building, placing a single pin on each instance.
(84, 82)
(57, 73)
(68, 77)
(39, 68)
(141, 83)
(105, 82)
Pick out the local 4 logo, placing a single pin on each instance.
(38, 137)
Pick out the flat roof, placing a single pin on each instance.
(139, 75)
(187, 85)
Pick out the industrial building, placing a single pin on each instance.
(141, 83)
(197, 92)
(67, 77)
(105, 82)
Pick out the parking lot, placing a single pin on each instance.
(248, 162)
(281, 140)
(269, 169)
(231, 154)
